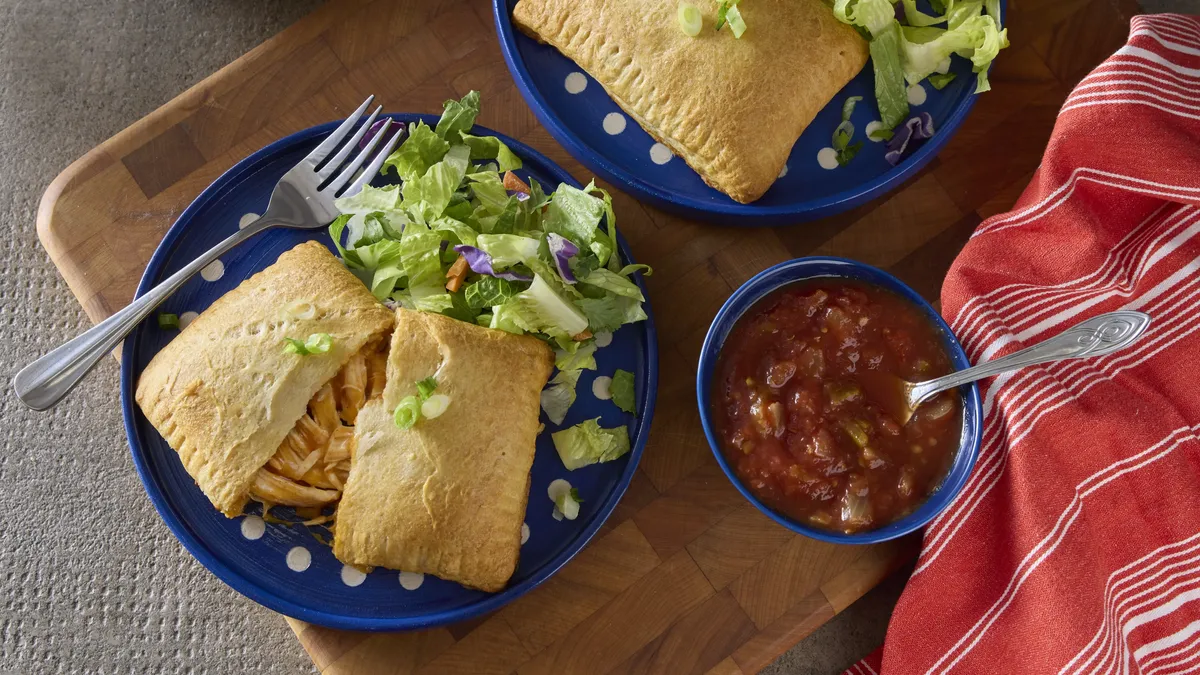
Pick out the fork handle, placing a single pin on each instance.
(1097, 336)
(43, 383)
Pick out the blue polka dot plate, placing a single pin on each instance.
(581, 116)
(291, 568)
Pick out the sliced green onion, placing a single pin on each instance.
(736, 24)
(568, 504)
(299, 309)
(426, 387)
(435, 405)
(939, 80)
(168, 321)
(722, 12)
(407, 413)
(317, 343)
(690, 19)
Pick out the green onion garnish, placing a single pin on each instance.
(317, 343)
(168, 321)
(736, 24)
(407, 413)
(690, 19)
(426, 387)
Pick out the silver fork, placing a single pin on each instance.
(300, 201)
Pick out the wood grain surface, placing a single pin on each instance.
(686, 577)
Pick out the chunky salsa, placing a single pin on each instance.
(793, 419)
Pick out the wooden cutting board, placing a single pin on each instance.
(686, 577)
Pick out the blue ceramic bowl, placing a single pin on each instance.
(259, 561)
(800, 269)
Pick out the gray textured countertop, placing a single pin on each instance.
(91, 578)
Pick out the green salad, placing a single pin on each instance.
(463, 236)
(922, 48)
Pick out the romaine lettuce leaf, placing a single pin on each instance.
(622, 390)
(508, 249)
(504, 317)
(464, 233)
(422, 149)
(576, 356)
(489, 292)
(891, 95)
(490, 147)
(613, 283)
(575, 214)
(489, 190)
(543, 310)
(558, 396)
(611, 312)
(458, 116)
(915, 17)
(370, 199)
(427, 197)
(587, 443)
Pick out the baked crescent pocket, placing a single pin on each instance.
(446, 496)
(225, 394)
(731, 108)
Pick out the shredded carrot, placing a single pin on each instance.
(582, 336)
(514, 184)
(456, 274)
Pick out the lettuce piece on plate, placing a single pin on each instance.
(622, 390)
(422, 149)
(458, 116)
(558, 397)
(489, 292)
(508, 249)
(588, 443)
(490, 147)
(545, 311)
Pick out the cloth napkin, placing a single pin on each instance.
(1075, 545)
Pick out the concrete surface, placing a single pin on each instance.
(90, 577)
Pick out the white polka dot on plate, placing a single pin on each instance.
(603, 338)
(601, 387)
(873, 127)
(186, 318)
(827, 158)
(253, 527)
(783, 171)
(352, 576)
(247, 219)
(614, 123)
(213, 270)
(524, 533)
(916, 94)
(298, 559)
(660, 154)
(411, 581)
(575, 83)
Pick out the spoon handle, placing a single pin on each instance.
(1097, 336)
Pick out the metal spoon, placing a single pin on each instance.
(1097, 336)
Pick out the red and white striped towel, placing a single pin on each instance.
(1075, 545)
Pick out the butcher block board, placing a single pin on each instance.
(686, 576)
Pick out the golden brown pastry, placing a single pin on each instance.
(225, 394)
(446, 496)
(731, 108)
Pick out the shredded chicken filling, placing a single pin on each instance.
(310, 467)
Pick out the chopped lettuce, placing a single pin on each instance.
(545, 311)
(588, 443)
(622, 390)
(576, 356)
(422, 149)
(489, 292)
(458, 116)
(560, 394)
(537, 263)
(490, 147)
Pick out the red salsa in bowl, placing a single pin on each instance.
(793, 420)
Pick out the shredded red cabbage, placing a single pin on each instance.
(481, 263)
(915, 129)
(563, 250)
